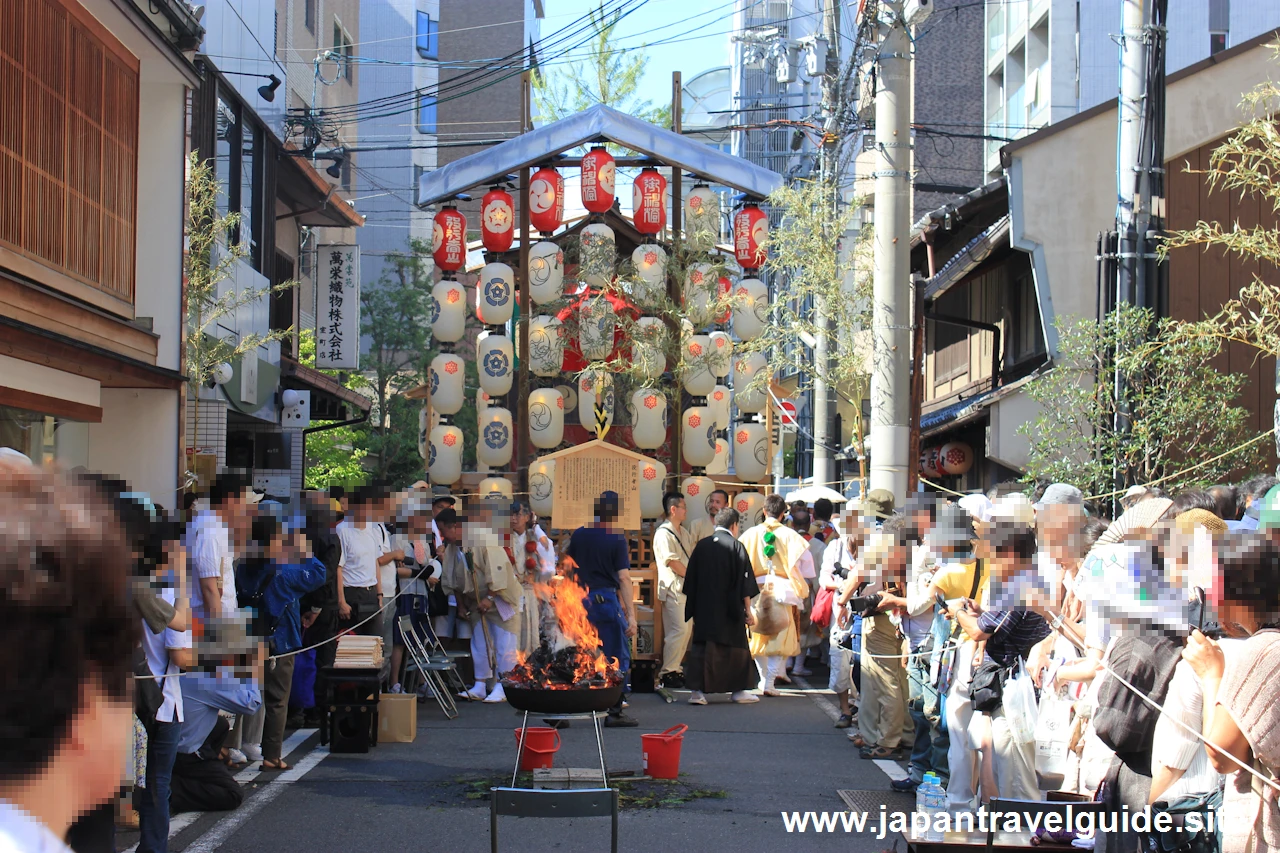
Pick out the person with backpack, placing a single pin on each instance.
(280, 570)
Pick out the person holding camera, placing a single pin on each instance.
(841, 560)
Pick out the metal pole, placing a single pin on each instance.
(519, 412)
(891, 317)
(822, 409)
(675, 472)
(1133, 67)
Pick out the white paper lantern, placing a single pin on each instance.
(697, 491)
(653, 476)
(696, 373)
(494, 357)
(718, 402)
(570, 394)
(592, 383)
(750, 506)
(448, 311)
(749, 399)
(700, 291)
(495, 488)
(720, 356)
(650, 261)
(750, 308)
(546, 272)
(702, 209)
(495, 445)
(597, 325)
(495, 294)
(598, 255)
(546, 418)
(445, 377)
(647, 352)
(542, 475)
(546, 345)
(483, 401)
(698, 438)
(750, 452)
(721, 464)
(444, 455)
(648, 418)
(422, 432)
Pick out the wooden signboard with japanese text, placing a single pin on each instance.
(583, 475)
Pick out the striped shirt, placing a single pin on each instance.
(1013, 633)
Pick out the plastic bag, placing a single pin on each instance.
(1053, 735)
(1020, 705)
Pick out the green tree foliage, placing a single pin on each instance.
(1181, 411)
(334, 457)
(609, 74)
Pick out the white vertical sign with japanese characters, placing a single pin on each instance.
(338, 314)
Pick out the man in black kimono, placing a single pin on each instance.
(719, 585)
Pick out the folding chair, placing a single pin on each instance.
(524, 802)
(437, 652)
(434, 671)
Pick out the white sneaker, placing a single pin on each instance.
(396, 688)
(252, 751)
(698, 698)
(742, 697)
(497, 695)
(235, 756)
(475, 694)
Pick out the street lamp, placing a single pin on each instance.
(267, 90)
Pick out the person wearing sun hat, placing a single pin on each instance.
(878, 504)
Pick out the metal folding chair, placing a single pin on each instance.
(526, 802)
(434, 671)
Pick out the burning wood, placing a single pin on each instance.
(575, 661)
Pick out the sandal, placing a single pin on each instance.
(773, 693)
(859, 741)
(279, 764)
(875, 752)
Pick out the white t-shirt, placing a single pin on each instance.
(387, 576)
(208, 544)
(361, 548)
(156, 647)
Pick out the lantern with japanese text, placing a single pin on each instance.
(721, 463)
(444, 455)
(750, 230)
(697, 491)
(718, 402)
(653, 478)
(546, 272)
(648, 418)
(696, 372)
(448, 311)
(649, 201)
(647, 352)
(542, 475)
(497, 220)
(595, 385)
(495, 488)
(720, 356)
(546, 418)
(598, 174)
(597, 255)
(698, 436)
(749, 396)
(546, 199)
(750, 506)
(495, 294)
(495, 355)
(445, 382)
(449, 239)
(750, 452)
(597, 325)
(702, 209)
(495, 445)
(546, 345)
(750, 308)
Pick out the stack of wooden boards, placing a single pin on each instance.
(356, 651)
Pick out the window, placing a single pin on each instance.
(1219, 25)
(950, 341)
(238, 168)
(343, 47)
(417, 179)
(1217, 43)
(427, 114)
(309, 14)
(427, 41)
(1028, 336)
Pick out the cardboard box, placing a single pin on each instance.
(397, 718)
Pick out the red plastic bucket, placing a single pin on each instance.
(662, 752)
(540, 747)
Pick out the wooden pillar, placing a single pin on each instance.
(673, 281)
(520, 411)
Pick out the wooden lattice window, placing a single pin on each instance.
(68, 143)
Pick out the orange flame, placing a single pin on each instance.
(589, 664)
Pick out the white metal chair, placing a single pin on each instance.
(437, 671)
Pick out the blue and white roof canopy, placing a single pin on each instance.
(600, 121)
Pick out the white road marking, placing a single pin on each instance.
(892, 769)
(291, 743)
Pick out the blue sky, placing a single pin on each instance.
(697, 30)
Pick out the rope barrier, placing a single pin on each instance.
(1183, 472)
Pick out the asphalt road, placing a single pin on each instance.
(751, 762)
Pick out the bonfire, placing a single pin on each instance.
(573, 661)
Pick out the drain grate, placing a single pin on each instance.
(871, 801)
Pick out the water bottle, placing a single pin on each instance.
(931, 800)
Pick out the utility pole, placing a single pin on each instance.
(891, 293)
(1133, 67)
(823, 469)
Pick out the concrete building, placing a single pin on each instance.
(1047, 60)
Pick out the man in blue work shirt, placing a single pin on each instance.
(202, 782)
(603, 561)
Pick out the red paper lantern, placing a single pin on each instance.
(546, 199)
(598, 175)
(648, 201)
(497, 220)
(750, 228)
(449, 244)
